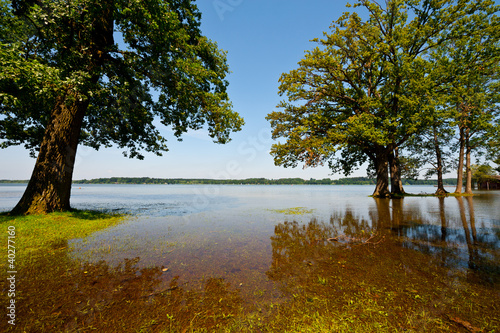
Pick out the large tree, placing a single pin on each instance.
(104, 72)
(366, 89)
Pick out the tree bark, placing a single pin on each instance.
(396, 182)
(439, 159)
(382, 169)
(460, 169)
(49, 188)
(468, 170)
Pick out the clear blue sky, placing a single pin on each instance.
(263, 38)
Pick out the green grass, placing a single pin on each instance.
(38, 234)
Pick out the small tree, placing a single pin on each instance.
(429, 148)
(482, 174)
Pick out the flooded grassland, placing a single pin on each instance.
(268, 259)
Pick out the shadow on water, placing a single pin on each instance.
(393, 270)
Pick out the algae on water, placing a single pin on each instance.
(293, 211)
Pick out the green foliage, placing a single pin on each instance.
(370, 84)
(483, 172)
(497, 162)
(134, 62)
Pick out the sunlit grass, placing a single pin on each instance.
(42, 233)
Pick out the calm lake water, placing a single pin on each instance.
(230, 231)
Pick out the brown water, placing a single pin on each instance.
(231, 232)
(270, 258)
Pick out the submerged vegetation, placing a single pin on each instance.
(39, 234)
(293, 211)
(341, 275)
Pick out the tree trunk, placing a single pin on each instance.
(396, 182)
(49, 188)
(460, 170)
(439, 159)
(468, 170)
(382, 169)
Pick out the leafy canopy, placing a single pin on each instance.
(368, 86)
(137, 63)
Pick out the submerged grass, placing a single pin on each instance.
(327, 286)
(293, 211)
(37, 234)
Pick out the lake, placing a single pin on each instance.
(226, 230)
(267, 240)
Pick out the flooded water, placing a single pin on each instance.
(266, 241)
(227, 231)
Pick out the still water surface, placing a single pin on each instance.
(234, 232)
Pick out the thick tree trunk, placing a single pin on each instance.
(439, 159)
(382, 170)
(460, 170)
(396, 182)
(49, 188)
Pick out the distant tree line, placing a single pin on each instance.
(254, 181)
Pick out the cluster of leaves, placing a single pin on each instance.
(159, 69)
(391, 80)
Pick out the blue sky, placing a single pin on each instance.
(263, 38)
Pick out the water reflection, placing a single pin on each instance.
(456, 245)
(392, 266)
(459, 244)
(407, 264)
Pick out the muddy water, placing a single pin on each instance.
(198, 256)
(231, 232)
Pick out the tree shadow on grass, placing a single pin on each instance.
(92, 214)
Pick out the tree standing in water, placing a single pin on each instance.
(363, 92)
(66, 81)
(470, 68)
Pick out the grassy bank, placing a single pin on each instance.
(39, 234)
(363, 282)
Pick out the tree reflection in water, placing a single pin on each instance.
(395, 269)
(413, 260)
